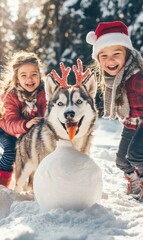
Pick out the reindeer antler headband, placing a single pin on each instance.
(78, 71)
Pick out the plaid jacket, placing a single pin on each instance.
(134, 87)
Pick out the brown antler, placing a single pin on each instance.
(65, 72)
(79, 74)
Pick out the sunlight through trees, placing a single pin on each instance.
(56, 29)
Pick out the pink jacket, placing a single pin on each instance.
(13, 122)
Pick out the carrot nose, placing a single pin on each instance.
(72, 128)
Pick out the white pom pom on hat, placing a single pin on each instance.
(108, 34)
(91, 38)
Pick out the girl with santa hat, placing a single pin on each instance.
(122, 69)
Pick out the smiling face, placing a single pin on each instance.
(28, 77)
(71, 109)
(112, 59)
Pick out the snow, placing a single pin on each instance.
(70, 179)
(69, 3)
(116, 218)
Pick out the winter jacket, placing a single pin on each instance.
(13, 122)
(134, 88)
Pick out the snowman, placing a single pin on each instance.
(67, 179)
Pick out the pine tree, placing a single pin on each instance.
(5, 33)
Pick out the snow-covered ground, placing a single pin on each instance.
(116, 218)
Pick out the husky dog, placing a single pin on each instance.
(67, 105)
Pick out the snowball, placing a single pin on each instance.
(67, 179)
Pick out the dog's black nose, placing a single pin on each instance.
(69, 114)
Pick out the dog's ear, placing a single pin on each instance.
(50, 86)
(91, 85)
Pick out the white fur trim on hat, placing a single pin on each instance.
(108, 40)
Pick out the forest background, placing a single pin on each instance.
(56, 29)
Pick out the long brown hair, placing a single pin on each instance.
(96, 68)
(8, 79)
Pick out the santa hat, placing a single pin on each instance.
(108, 34)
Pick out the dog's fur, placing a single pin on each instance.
(76, 104)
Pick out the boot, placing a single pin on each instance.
(133, 185)
(141, 190)
(5, 178)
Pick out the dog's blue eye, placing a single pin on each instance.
(78, 101)
(60, 104)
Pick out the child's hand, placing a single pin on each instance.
(33, 121)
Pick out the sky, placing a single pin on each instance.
(116, 217)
